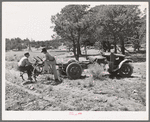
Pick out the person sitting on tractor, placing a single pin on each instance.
(25, 65)
(50, 61)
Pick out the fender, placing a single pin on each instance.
(124, 61)
(121, 63)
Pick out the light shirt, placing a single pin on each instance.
(23, 61)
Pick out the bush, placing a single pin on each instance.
(97, 71)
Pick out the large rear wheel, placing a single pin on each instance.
(74, 70)
(126, 70)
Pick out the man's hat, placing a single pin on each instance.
(26, 54)
(43, 50)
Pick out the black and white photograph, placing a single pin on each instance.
(75, 60)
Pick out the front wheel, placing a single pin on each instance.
(74, 70)
(126, 70)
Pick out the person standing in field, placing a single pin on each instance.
(50, 61)
(25, 65)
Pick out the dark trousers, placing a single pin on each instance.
(29, 69)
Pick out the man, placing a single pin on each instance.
(25, 65)
(50, 61)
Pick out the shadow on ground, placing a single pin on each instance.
(119, 77)
(29, 82)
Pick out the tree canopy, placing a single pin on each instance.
(107, 24)
(71, 24)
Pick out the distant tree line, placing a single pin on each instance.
(16, 44)
(19, 44)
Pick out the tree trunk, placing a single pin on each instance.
(74, 50)
(122, 43)
(109, 46)
(115, 43)
(78, 50)
(85, 51)
(78, 47)
(122, 47)
(29, 46)
(100, 45)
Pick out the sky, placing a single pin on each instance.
(32, 20)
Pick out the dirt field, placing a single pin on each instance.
(86, 94)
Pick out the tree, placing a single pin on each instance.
(37, 46)
(140, 33)
(118, 21)
(18, 44)
(33, 43)
(70, 25)
(8, 44)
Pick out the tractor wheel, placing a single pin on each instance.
(126, 70)
(74, 70)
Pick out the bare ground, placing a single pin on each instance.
(118, 94)
(85, 94)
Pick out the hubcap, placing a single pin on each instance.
(74, 70)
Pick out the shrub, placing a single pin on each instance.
(97, 71)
